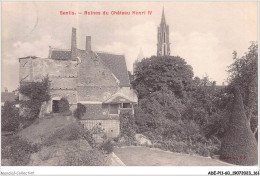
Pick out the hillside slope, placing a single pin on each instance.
(60, 142)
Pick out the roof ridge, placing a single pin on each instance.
(116, 95)
(58, 49)
(104, 52)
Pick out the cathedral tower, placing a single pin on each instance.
(163, 44)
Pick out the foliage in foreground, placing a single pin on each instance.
(86, 158)
(10, 117)
(17, 150)
(239, 145)
(79, 111)
(243, 72)
(37, 93)
(67, 133)
(127, 127)
(185, 114)
(64, 105)
(108, 147)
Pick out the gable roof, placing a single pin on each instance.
(8, 96)
(117, 64)
(118, 98)
(123, 95)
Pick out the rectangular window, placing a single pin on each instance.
(127, 105)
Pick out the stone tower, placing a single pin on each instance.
(163, 44)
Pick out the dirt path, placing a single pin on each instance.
(144, 156)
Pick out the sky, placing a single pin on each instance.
(205, 34)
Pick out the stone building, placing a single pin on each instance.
(98, 80)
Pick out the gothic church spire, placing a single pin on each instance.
(163, 44)
(163, 21)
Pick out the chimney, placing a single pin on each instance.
(74, 44)
(88, 43)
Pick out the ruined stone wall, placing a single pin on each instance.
(53, 68)
(63, 83)
(62, 74)
(25, 69)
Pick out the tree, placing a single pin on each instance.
(80, 111)
(244, 72)
(127, 126)
(64, 105)
(10, 117)
(174, 108)
(162, 74)
(239, 145)
(37, 93)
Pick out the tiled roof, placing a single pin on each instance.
(61, 55)
(118, 99)
(95, 111)
(8, 96)
(123, 95)
(117, 64)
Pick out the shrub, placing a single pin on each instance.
(79, 111)
(108, 147)
(37, 93)
(67, 113)
(17, 150)
(116, 139)
(88, 135)
(85, 158)
(127, 126)
(64, 105)
(10, 117)
(73, 132)
(70, 132)
(239, 145)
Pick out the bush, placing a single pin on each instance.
(89, 137)
(66, 113)
(70, 132)
(64, 105)
(239, 145)
(79, 111)
(108, 147)
(85, 158)
(116, 139)
(17, 150)
(37, 93)
(127, 126)
(10, 117)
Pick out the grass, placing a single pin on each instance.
(61, 143)
(144, 156)
(37, 132)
